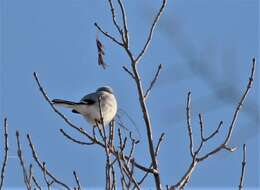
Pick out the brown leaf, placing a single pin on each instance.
(101, 53)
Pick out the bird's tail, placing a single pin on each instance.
(64, 103)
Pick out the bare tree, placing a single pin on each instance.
(121, 164)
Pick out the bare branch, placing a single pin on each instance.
(77, 180)
(42, 165)
(188, 118)
(156, 154)
(104, 136)
(127, 170)
(140, 88)
(32, 179)
(108, 35)
(234, 118)
(148, 125)
(243, 169)
(4, 164)
(123, 12)
(20, 156)
(113, 178)
(241, 102)
(114, 19)
(215, 132)
(156, 76)
(201, 135)
(81, 130)
(36, 183)
(132, 149)
(48, 183)
(75, 140)
(159, 143)
(151, 31)
(184, 180)
(230, 149)
(129, 72)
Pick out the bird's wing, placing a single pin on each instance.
(89, 99)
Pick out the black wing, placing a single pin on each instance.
(88, 101)
(85, 101)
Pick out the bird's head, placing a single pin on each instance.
(105, 89)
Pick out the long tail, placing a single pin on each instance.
(64, 103)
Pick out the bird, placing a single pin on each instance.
(103, 99)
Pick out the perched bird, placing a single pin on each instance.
(89, 106)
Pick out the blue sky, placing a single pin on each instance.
(204, 46)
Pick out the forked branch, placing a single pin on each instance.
(197, 159)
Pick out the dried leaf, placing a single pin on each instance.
(101, 53)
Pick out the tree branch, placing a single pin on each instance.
(234, 118)
(107, 34)
(114, 19)
(242, 169)
(156, 19)
(42, 165)
(20, 156)
(129, 72)
(4, 164)
(73, 139)
(80, 130)
(123, 12)
(77, 180)
(188, 119)
(156, 76)
(195, 160)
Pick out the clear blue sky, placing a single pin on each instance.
(204, 46)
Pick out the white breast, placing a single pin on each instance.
(92, 113)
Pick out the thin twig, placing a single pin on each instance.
(108, 35)
(159, 143)
(241, 182)
(75, 140)
(45, 177)
(36, 183)
(201, 135)
(183, 181)
(113, 186)
(156, 19)
(156, 154)
(215, 132)
(129, 72)
(123, 180)
(5, 160)
(123, 12)
(20, 156)
(40, 164)
(156, 76)
(77, 180)
(114, 19)
(188, 119)
(127, 170)
(30, 174)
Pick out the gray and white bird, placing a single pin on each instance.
(89, 108)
